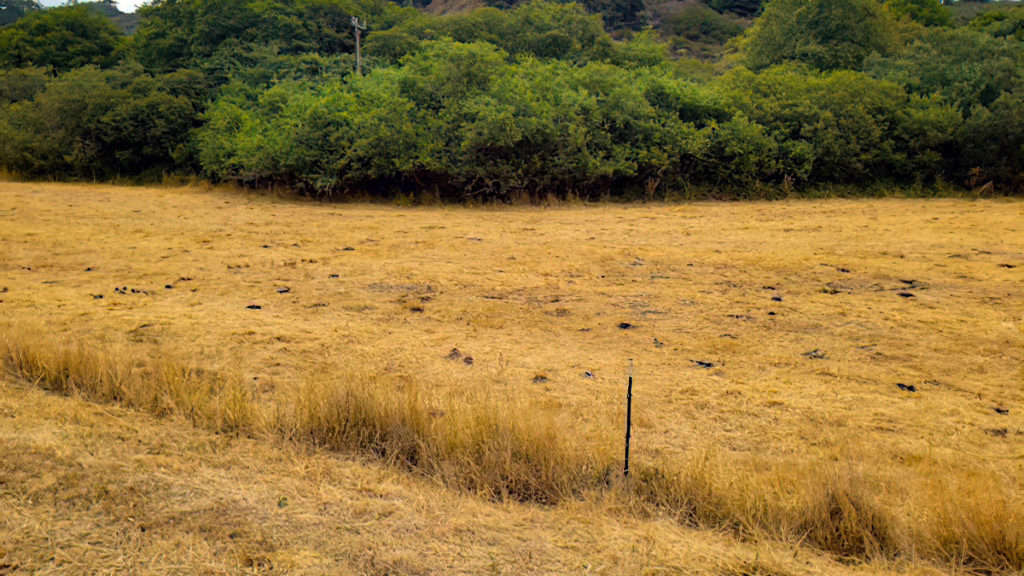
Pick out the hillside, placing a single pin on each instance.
(125, 22)
(14, 10)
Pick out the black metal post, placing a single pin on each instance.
(629, 417)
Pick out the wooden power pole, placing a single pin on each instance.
(359, 27)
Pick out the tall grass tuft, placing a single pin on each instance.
(504, 448)
(830, 509)
(841, 514)
(67, 368)
(218, 402)
(361, 417)
(976, 523)
(475, 445)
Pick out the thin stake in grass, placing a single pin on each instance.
(489, 449)
(629, 417)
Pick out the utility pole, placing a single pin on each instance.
(359, 27)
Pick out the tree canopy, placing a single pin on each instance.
(535, 99)
(825, 34)
(927, 12)
(62, 38)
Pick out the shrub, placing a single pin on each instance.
(843, 126)
(825, 34)
(91, 123)
(927, 12)
(62, 38)
(17, 84)
(698, 23)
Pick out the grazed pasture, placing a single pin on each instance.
(777, 345)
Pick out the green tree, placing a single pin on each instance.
(927, 12)
(1007, 23)
(992, 141)
(825, 34)
(979, 76)
(62, 38)
(964, 67)
(92, 123)
(698, 23)
(17, 84)
(541, 29)
(843, 126)
(551, 30)
(182, 33)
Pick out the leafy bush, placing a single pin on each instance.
(979, 76)
(1001, 23)
(62, 38)
(91, 123)
(462, 119)
(843, 126)
(467, 120)
(17, 84)
(927, 12)
(964, 67)
(699, 23)
(825, 34)
(525, 102)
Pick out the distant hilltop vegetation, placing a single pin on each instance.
(126, 22)
(498, 100)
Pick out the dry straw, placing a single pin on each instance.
(505, 449)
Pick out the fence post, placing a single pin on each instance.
(629, 417)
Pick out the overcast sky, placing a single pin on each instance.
(122, 5)
(131, 5)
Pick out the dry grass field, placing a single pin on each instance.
(821, 386)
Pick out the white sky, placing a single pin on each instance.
(122, 5)
(131, 5)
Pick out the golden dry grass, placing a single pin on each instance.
(94, 489)
(769, 442)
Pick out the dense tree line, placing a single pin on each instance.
(521, 102)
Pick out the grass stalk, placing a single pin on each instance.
(506, 450)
